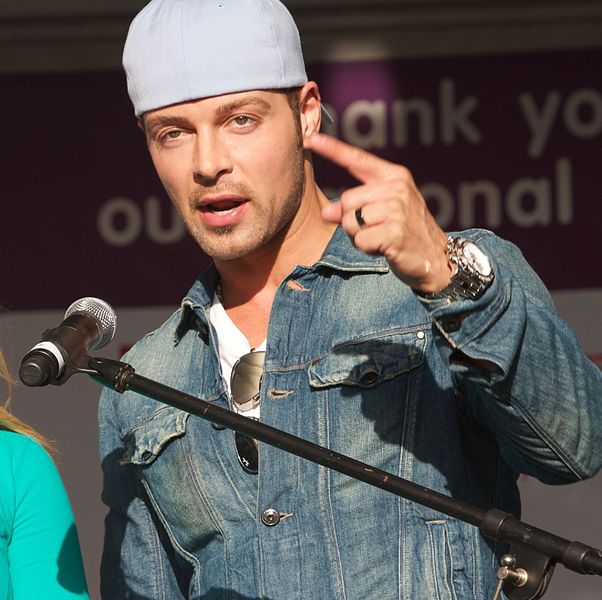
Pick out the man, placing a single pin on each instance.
(438, 359)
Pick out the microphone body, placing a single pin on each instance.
(89, 324)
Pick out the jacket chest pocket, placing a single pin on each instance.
(146, 441)
(369, 362)
(166, 474)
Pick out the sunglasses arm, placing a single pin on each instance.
(525, 571)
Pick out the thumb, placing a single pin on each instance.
(332, 212)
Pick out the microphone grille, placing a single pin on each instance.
(102, 313)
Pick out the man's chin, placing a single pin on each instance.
(222, 246)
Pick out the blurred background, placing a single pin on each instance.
(495, 106)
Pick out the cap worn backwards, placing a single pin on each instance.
(181, 50)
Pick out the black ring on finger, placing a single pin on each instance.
(359, 217)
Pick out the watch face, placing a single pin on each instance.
(477, 259)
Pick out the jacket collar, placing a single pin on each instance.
(339, 255)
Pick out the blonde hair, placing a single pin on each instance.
(8, 420)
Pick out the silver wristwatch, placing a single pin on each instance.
(473, 272)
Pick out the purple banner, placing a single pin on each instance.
(512, 143)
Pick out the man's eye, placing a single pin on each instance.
(242, 120)
(172, 135)
(166, 137)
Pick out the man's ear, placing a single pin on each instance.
(309, 109)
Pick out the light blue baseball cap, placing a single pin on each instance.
(181, 50)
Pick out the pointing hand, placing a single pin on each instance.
(387, 215)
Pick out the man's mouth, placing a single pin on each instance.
(221, 207)
(223, 210)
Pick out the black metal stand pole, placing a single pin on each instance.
(493, 523)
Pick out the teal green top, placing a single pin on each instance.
(39, 549)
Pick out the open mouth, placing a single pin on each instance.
(224, 211)
(221, 207)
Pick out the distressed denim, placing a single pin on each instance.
(358, 363)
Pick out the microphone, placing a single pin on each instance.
(89, 324)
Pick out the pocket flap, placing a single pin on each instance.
(367, 363)
(144, 442)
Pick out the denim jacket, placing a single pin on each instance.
(358, 363)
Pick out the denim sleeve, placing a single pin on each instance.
(540, 395)
(137, 560)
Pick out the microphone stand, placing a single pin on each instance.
(525, 572)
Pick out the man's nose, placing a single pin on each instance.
(211, 157)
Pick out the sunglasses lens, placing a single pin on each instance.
(246, 381)
(248, 453)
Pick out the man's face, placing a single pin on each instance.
(233, 167)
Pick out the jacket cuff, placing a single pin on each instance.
(489, 328)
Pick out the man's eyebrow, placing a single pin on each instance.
(235, 105)
(160, 120)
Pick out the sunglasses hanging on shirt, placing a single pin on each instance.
(245, 387)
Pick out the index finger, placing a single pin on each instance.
(362, 164)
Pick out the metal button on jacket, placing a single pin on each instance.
(270, 517)
(451, 324)
(369, 378)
